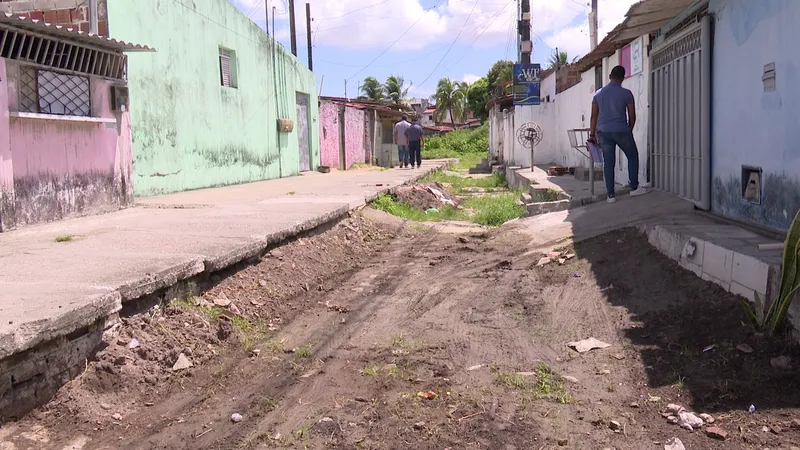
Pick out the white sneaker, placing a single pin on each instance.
(612, 200)
(639, 191)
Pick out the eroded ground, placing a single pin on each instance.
(375, 335)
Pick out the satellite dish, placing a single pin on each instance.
(530, 134)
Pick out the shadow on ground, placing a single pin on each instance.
(687, 330)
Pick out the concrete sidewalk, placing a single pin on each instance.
(50, 289)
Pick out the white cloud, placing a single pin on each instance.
(375, 24)
(470, 78)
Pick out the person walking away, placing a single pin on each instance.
(401, 140)
(415, 140)
(613, 119)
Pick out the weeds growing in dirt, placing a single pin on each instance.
(65, 238)
(459, 184)
(398, 341)
(302, 353)
(267, 404)
(510, 380)
(251, 333)
(495, 210)
(550, 385)
(388, 204)
(370, 371)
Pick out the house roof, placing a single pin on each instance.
(383, 108)
(643, 18)
(72, 34)
(429, 111)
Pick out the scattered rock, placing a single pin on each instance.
(419, 425)
(222, 300)
(674, 444)
(463, 240)
(563, 442)
(256, 351)
(475, 367)
(689, 421)
(133, 343)
(325, 419)
(587, 345)
(672, 419)
(674, 409)
(716, 433)
(361, 399)
(106, 406)
(430, 395)
(262, 283)
(543, 261)
(571, 379)
(781, 363)
(775, 429)
(277, 253)
(744, 348)
(634, 405)
(615, 426)
(116, 416)
(796, 424)
(236, 417)
(707, 418)
(182, 363)
(619, 356)
(604, 372)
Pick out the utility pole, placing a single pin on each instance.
(292, 28)
(345, 89)
(526, 45)
(93, 26)
(266, 15)
(593, 26)
(519, 20)
(308, 37)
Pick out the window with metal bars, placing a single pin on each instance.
(227, 68)
(48, 92)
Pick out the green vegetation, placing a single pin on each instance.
(458, 184)
(458, 144)
(558, 59)
(548, 384)
(388, 204)
(773, 319)
(65, 238)
(495, 210)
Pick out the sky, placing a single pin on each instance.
(425, 40)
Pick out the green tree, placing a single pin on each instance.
(477, 97)
(463, 98)
(500, 72)
(395, 89)
(372, 89)
(448, 100)
(559, 59)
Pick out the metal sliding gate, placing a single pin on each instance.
(680, 127)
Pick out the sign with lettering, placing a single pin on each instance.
(527, 84)
(636, 57)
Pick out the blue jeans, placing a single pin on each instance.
(626, 143)
(402, 151)
(415, 147)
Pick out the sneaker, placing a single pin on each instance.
(612, 200)
(639, 191)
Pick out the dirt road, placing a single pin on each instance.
(383, 336)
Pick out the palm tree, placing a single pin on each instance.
(394, 88)
(463, 97)
(372, 89)
(558, 59)
(448, 100)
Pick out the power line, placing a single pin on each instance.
(385, 65)
(355, 11)
(451, 45)
(397, 40)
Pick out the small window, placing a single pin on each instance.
(227, 68)
(430, 117)
(48, 92)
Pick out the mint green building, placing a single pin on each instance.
(205, 107)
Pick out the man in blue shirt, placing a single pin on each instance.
(613, 119)
(414, 135)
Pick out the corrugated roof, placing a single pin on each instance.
(75, 35)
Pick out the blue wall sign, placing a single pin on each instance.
(527, 82)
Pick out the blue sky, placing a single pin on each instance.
(425, 40)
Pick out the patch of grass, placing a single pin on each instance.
(302, 353)
(550, 385)
(251, 333)
(370, 371)
(291, 193)
(469, 161)
(458, 184)
(386, 203)
(211, 313)
(402, 343)
(268, 404)
(458, 144)
(64, 238)
(511, 380)
(495, 210)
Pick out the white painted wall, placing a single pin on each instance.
(568, 110)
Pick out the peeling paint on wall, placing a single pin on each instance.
(184, 123)
(780, 200)
(329, 127)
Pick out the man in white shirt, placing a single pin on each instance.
(401, 140)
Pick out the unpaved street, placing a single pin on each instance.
(406, 338)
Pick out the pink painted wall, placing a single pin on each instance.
(6, 168)
(355, 128)
(70, 168)
(329, 134)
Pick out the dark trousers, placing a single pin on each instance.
(624, 140)
(415, 148)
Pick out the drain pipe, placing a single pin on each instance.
(705, 115)
(93, 27)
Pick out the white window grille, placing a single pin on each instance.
(227, 68)
(48, 92)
